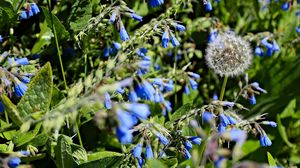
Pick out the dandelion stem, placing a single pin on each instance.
(223, 88)
(57, 45)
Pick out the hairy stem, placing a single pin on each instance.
(223, 88)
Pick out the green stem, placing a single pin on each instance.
(78, 134)
(20, 5)
(57, 45)
(223, 88)
(6, 117)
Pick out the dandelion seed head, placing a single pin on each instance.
(228, 55)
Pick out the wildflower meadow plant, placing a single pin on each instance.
(154, 83)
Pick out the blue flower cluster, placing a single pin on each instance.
(192, 77)
(270, 46)
(30, 10)
(188, 145)
(112, 50)
(166, 35)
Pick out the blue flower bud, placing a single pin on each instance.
(149, 152)
(256, 86)
(232, 120)
(215, 97)
(208, 6)
(23, 15)
(113, 17)
(124, 135)
(141, 162)
(137, 150)
(20, 89)
(123, 34)
(165, 39)
(126, 119)
(136, 17)
(298, 30)
(195, 140)
(179, 27)
(259, 51)
(236, 135)
(162, 139)
(107, 101)
(25, 79)
(186, 90)
(188, 145)
(139, 110)
(174, 41)
(1, 107)
(221, 128)
(106, 52)
(155, 3)
(252, 99)
(132, 97)
(14, 162)
(285, 6)
(117, 45)
(193, 83)
(270, 123)
(21, 61)
(224, 120)
(187, 154)
(212, 36)
(120, 90)
(265, 141)
(207, 116)
(35, 9)
(194, 75)
(24, 152)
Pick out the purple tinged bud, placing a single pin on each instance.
(149, 152)
(188, 145)
(207, 116)
(137, 150)
(123, 34)
(174, 41)
(136, 17)
(265, 140)
(29, 13)
(165, 39)
(195, 140)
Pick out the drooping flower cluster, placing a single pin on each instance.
(30, 9)
(167, 33)
(112, 50)
(116, 19)
(269, 45)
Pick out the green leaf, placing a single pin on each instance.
(21, 139)
(61, 32)
(282, 132)
(272, 162)
(81, 14)
(7, 14)
(14, 114)
(104, 160)
(63, 153)
(289, 110)
(183, 110)
(39, 140)
(249, 147)
(155, 163)
(79, 153)
(38, 96)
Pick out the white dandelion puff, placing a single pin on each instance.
(228, 55)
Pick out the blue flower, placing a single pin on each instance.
(1, 39)
(285, 6)
(139, 110)
(24, 152)
(21, 61)
(186, 90)
(123, 34)
(106, 52)
(25, 79)
(149, 152)
(120, 90)
(236, 135)
(193, 83)
(174, 41)
(221, 128)
(270, 123)
(207, 116)
(265, 141)
(113, 17)
(252, 99)
(158, 97)
(168, 87)
(132, 97)
(107, 101)
(195, 140)
(29, 13)
(167, 107)
(179, 27)
(35, 9)
(256, 86)
(1, 107)
(126, 119)
(162, 139)
(124, 135)
(208, 6)
(141, 162)
(137, 150)
(14, 162)
(20, 88)
(232, 120)
(165, 39)
(136, 17)
(188, 145)
(23, 15)
(117, 45)
(145, 91)
(215, 96)
(155, 3)
(259, 51)
(212, 35)
(194, 75)
(142, 52)
(187, 154)
(224, 120)
(298, 30)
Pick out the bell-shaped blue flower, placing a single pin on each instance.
(126, 119)
(23, 15)
(195, 140)
(186, 154)
(252, 99)
(107, 101)
(137, 150)
(113, 17)
(224, 120)
(132, 97)
(179, 27)
(193, 83)
(136, 17)
(35, 9)
(188, 145)
(207, 116)
(259, 51)
(155, 3)
(208, 6)
(124, 135)
(149, 152)
(174, 41)
(141, 111)
(265, 140)
(123, 34)
(14, 162)
(20, 88)
(285, 6)
(165, 39)
(162, 139)
(186, 90)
